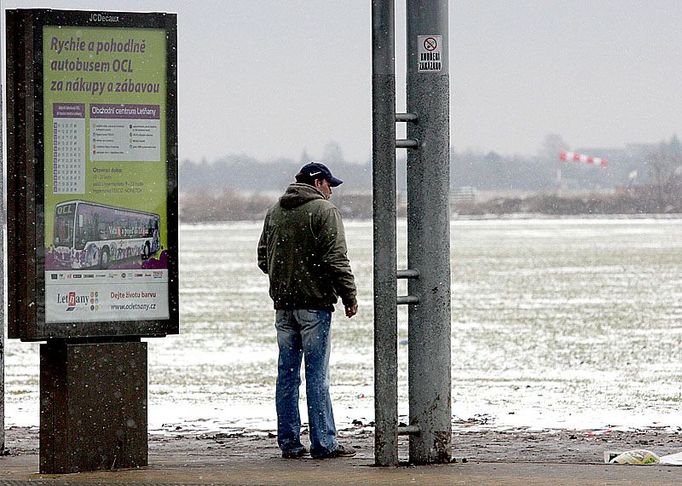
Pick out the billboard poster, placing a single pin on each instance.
(104, 95)
(92, 173)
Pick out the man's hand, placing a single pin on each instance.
(351, 310)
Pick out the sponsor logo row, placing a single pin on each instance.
(113, 275)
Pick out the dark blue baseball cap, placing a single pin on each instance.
(315, 170)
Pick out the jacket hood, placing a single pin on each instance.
(297, 194)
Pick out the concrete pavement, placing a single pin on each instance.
(269, 469)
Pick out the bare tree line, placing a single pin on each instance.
(660, 191)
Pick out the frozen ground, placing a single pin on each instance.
(556, 324)
(473, 444)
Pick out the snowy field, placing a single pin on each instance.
(573, 323)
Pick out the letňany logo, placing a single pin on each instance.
(72, 299)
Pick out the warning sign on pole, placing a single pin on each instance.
(430, 50)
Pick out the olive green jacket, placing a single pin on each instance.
(303, 251)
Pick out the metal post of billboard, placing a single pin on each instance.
(428, 228)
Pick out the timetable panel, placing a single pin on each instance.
(68, 148)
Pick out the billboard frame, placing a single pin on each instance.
(26, 173)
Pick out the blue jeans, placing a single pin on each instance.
(304, 332)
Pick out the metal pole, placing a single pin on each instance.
(385, 261)
(428, 184)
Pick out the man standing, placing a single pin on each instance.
(303, 251)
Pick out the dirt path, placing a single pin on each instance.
(475, 445)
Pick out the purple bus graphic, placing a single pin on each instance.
(92, 235)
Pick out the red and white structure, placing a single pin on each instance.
(576, 157)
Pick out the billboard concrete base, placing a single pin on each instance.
(93, 406)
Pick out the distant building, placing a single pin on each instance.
(465, 194)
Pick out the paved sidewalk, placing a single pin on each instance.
(250, 457)
(269, 469)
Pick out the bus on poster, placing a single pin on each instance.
(90, 235)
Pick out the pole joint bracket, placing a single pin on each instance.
(407, 143)
(408, 273)
(406, 117)
(407, 299)
(409, 430)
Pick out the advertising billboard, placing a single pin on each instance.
(93, 173)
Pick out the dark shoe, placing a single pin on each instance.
(295, 453)
(340, 451)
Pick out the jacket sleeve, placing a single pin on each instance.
(333, 252)
(263, 247)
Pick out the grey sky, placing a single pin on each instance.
(271, 78)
